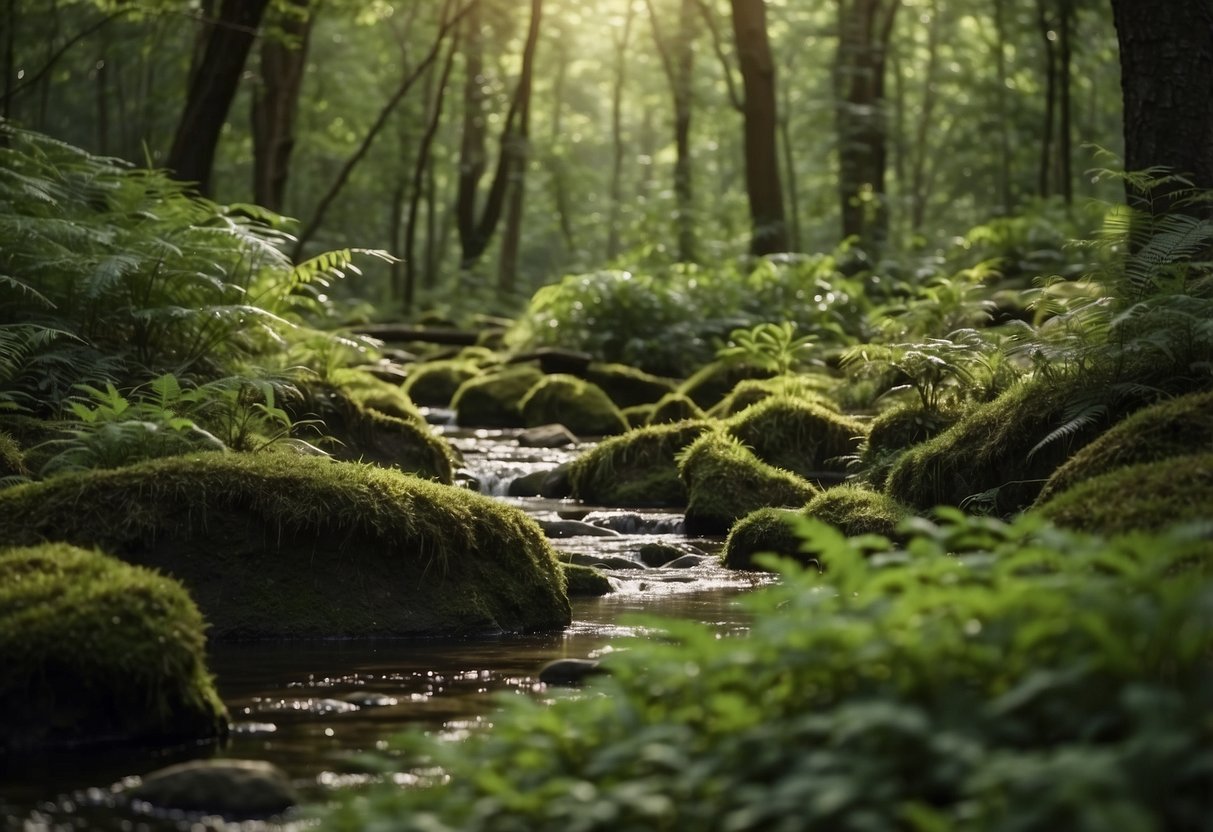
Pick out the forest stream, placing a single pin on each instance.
(310, 706)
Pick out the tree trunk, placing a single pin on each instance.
(1065, 133)
(617, 144)
(919, 192)
(276, 103)
(770, 232)
(1043, 185)
(212, 89)
(1004, 115)
(10, 59)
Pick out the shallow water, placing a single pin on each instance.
(309, 706)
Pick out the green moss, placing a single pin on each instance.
(896, 429)
(674, 407)
(855, 510)
(274, 545)
(580, 406)
(1146, 497)
(1176, 427)
(481, 357)
(715, 381)
(628, 386)
(96, 650)
(635, 469)
(376, 394)
(726, 481)
(764, 530)
(494, 399)
(12, 460)
(798, 435)
(433, 383)
(637, 416)
(751, 391)
(586, 581)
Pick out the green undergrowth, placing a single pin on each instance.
(986, 678)
(277, 545)
(635, 469)
(579, 405)
(97, 651)
(12, 460)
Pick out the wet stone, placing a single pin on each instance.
(547, 436)
(568, 671)
(685, 562)
(659, 554)
(574, 528)
(232, 788)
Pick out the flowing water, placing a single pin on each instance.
(309, 706)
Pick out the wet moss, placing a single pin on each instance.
(95, 650)
(580, 406)
(273, 545)
(855, 510)
(628, 386)
(767, 530)
(494, 399)
(1176, 427)
(674, 407)
(635, 469)
(434, 383)
(725, 481)
(798, 435)
(586, 581)
(749, 392)
(1146, 497)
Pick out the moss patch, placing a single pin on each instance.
(580, 406)
(272, 545)
(635, 469)
(1176, 427)
(751, 391)
(637, 416)
(1146, 497)
(764, 530)
(376, 394)
(715, 381)
(433, 383)
(628, 386)
(494, 399)
(725, 482)
(855, 510)
(95, 650)
(12, 460)
(586, 581)
(674, 407)
(798, 435)
(896, 429)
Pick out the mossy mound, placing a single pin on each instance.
(376, 394)
(1146, 497)
(725, 481)
(798, 435)
(95, 650)
(764, 530)
(586, 581)
(494, 399)
(896, 429)
(988, 455)
(12, 460)
(751, 391)
(1176, 427)
(275, 545)
(674, 407)
(433, 383)
(855, 510)
(628, 386)
(715, 381)
(580, 406)
(636, 469)
(482, 357)
(637, 416)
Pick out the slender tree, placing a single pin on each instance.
(276, 101)
(618, 150)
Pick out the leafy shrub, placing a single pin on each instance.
(1040, 680)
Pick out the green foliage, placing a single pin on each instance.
(771, 347)
(1039, 680)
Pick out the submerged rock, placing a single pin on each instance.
(659, 554)
(574, 528)
(235, 789)
(569, 671)
(547, 436)
(586, 581)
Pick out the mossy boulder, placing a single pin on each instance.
(12, 460)
(714, 381)
(277, 546)
(1175, 427)
(725, 481)
(768, 530)
(374, 393)
(94, 650)
(1146, 497)
(580, 406)
(636, 469)
(674, 407)
(896, 429)
(637, 416)
(494, 399)
(433, 383)
(233, 789)
(855, 510)
(586, 581)
(628, 386)
(751, 391)
(798, 435)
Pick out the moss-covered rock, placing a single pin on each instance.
(674, 407)
(855, 510)
(798, 435)
(636, 469)
(1175, 427)
(628, 386)
(95, 650)
(586, 581)
(376, 394)
(716, 380)
(765, 530)
(494, 399)
(1146, 497)
(751, 391)
(580, 406)
(273, 545)
(896, 429)
(433, 383)
(12, 460)
(637, 416)
(725, 481)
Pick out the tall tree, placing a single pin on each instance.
(770, 232)
(865, 28)
(1166, 59)
(212, 89)
(621, 36)
(276, 101)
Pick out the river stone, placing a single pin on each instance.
(574, 528)
(547, 436)
(556, 360)
(568, 671)
(556, 485)
(232, 788)
(659, 554)
(599, 561)
(685, 562)
(528, 485)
